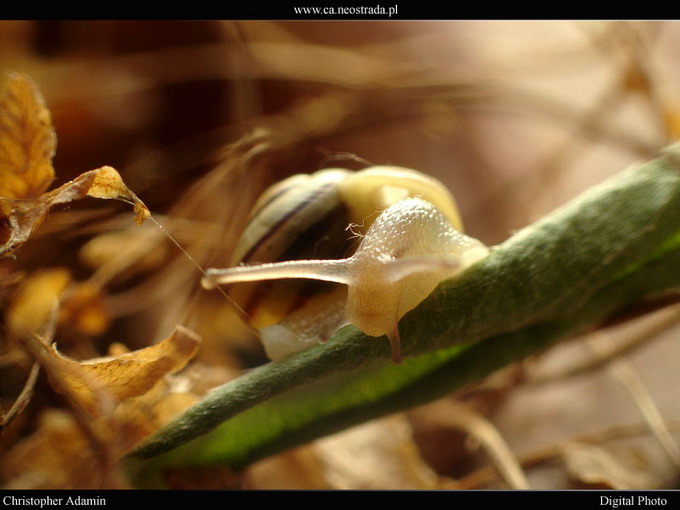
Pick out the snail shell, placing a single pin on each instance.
(404, 239)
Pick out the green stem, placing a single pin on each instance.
(609, 249)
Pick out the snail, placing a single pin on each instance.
(389, 235)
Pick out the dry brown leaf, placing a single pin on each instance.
(60, 454)
(594, 465)
(51, 294)
(10, 280)
(107, 184)
(127, 375)
(27, 146)
(380, 454)
(56, 456)
(32, 309)
(296, 469)
(36, 301)
(82, 309)
(20, 218)
(27, 141)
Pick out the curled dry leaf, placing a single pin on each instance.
(106, 183)
(27, 146)
(20, 218)
(59, 454)
(126, 375)
(27, 141)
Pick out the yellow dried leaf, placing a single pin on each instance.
(61, 454)
(20, 218)
(128, 375)
(108, 184)
(36, 301)
(56, 456)
(82, 309)
(27, 141)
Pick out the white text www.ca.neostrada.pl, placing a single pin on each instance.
(377, 10)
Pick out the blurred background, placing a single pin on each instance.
(516, 118)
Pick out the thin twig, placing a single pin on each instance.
(488, 474)
(463, 418)
(644, 402)
(22, 400)
(663, 321)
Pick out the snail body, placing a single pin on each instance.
(407, 239)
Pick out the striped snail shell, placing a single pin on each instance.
(388, 235)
